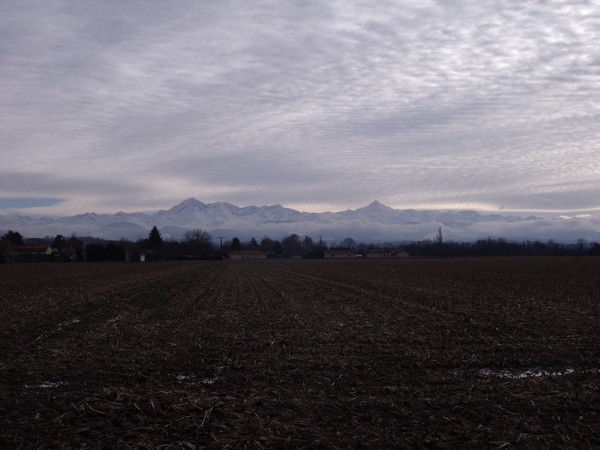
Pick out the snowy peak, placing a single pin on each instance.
(374, 206)
(188, 204)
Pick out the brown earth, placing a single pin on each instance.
(477, 353)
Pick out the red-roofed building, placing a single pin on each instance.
(248, 254)
(28, 253)
(341, 253)
(387, 253)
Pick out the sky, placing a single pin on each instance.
(112, 105)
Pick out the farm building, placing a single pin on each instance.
(30, 253)
(341, 253)
(248, 254)
(387, 253)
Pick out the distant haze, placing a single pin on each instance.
(372, 223)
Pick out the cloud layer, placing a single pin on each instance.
(136, 105)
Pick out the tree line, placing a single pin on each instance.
(200, 244)
(501, 247)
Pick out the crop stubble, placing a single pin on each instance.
(433, 353)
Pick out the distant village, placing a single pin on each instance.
(196, 245)
(200, 245)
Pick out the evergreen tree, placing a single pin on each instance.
(154, 237)
(59, 242)
(14, 237)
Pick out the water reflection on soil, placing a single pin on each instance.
(517, 374)
(193, 379)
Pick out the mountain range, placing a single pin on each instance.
(372, 223)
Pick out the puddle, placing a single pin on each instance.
(59, 328)
(114, 320)
(531, 373)
(193, 379)
(46, 385)
(64, 324)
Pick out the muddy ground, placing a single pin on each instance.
(481, 353)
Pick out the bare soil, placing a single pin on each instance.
(481, 353)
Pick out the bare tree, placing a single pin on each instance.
(267, 245)
(292, 245)
(199, 242)
(348, 243)
(197, 236)
(439, 240)
(439, 237)
(307, 244)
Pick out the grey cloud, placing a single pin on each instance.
(414, 102)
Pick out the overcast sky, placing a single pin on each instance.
(134, 105)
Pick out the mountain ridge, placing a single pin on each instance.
(374, 222)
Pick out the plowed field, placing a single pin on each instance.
(452, 354)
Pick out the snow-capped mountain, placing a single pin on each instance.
(372, 223)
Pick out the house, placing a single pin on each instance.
(387, 253)
(341, 253)
(30, 253)
(247, 254)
